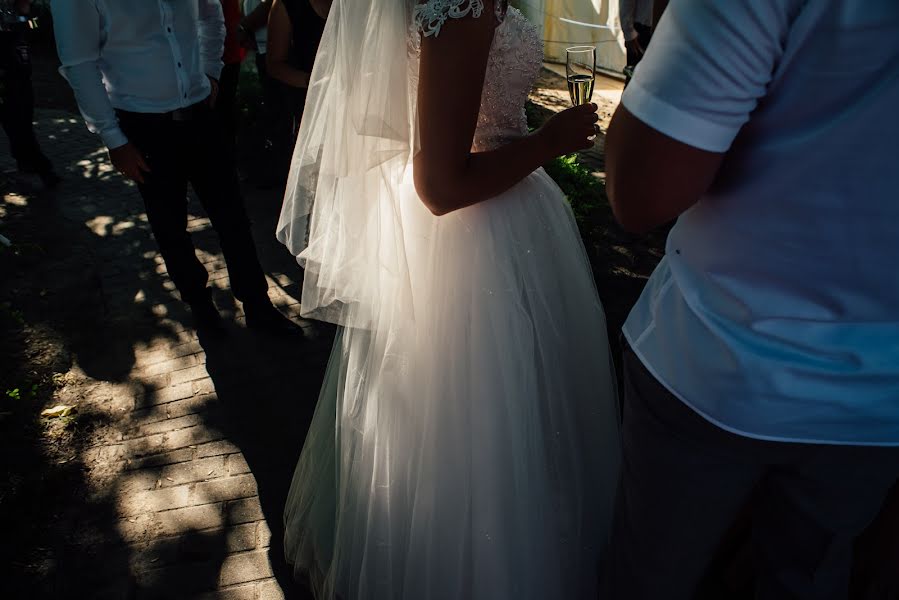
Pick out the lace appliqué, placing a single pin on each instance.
(514, 64)
(430, 16)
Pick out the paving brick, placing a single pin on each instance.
(203, 386)
(157, 382)
(246, 510)
(181, 520)
(170, 394)
(244, 567)
(195, 470)
(263, 534)
(228, 488)
(161, 460)
(241, 537)
(269, 589)
(179, 408)
(236, 464)
(166, 442)
(164, 426)
(216, 448)
(166, 366)
(185, 349)
(153, 500)
(189, 374)
(238, 592)
(217, 542)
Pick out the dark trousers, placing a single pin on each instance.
(281, 118)
(684, 480)
(226, 104)
(17, 102)
(192, 152)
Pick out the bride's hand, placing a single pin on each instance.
(570, 130)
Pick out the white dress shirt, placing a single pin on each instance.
(634, 11)
(775, 313)
(148, 56)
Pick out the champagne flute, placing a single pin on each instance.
(580, 67)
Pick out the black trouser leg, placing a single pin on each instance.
(288, 110)
(215, 181)
(684, 479)
(165, 198)
(17, 103)
(226, 104)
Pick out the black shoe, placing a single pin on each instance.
(207, 319)
(265, 317)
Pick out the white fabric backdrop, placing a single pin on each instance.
(559, 34)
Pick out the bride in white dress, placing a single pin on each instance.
(465, 443)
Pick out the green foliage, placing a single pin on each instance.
(16, 394)
(7, 310)
(585, 192)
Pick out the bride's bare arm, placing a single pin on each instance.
(448, 175)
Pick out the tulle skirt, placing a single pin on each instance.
(478, 460)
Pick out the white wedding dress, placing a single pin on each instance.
(481, 461)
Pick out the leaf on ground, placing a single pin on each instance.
(62, 410)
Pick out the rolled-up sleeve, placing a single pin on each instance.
(708, 65)
(211, 29)
(77, 27)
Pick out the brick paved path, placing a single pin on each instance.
(194, 443)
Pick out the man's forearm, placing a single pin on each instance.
(93, 102)
(211, 30)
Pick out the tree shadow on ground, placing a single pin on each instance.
(268, 387)
(91, 294)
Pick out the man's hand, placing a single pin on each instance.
(635, 47)
(214, 94)
(129, 161)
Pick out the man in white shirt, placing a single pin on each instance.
(144, 73)
(764, 352)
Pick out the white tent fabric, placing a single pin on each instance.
(565, 23)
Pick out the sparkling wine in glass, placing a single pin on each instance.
(580, 67)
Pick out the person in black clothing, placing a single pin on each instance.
(16, 93)
(295, 28)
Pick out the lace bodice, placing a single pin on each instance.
(512, 69)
